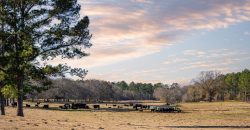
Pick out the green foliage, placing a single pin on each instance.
(158, 85)
(39, 30)
(123, 85)
(232, 84)
(2, 75)
(244, 80)
(232, 79)
(9, 91)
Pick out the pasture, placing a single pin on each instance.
(217, 115)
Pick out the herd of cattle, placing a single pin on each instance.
(135, 106)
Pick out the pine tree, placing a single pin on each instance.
(38, 30)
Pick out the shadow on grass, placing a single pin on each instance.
(100, 110)
(209, 127)
(94, 110)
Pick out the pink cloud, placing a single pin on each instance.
(129, 29)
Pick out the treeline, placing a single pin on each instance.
(207, 86)
(95, 90)
(212, 85)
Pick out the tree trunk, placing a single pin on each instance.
(210, 98)
(2, 103)
(20, 96)
(245, 94)
(13, 100)
(7, 102)
(235, 93)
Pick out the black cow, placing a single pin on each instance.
(14, 104)
(78, 106)
(136, 106)
(74, 106)
(86, 107)
(96, 106)
(66, 106)
(81, 105)
(46, 106)
(37, 104)
(145, 106)
(27, 105)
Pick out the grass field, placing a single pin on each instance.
(217, 115)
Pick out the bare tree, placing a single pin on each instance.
(194, 93)
(209, 81)
(161, 93)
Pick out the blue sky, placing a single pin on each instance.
(165, 40)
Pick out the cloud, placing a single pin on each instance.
(194, 53)
(216, 59)
(247, 33)
(130, 29)
(175, 60)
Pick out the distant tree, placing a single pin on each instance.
(169, 94)
(157, 85)
(38, 29)
(160, 93)
(148, 91)
(232, 81)
(176, 93)
(221, 87)
(209, 81)
(106, 91)
(2, 99)
(118, 93)
(194, 93)
(244, 82)
(3, 64)
(133, 86)
(123, 85)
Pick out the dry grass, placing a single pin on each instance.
(226, 115)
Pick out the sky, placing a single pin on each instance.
(165, 40)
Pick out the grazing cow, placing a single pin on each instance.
(74, 106)
(27, 105)
(37, 104)
(96, 106)
(136, 106)
(66, 106)
(152, 108)
(80, 105)
(86, 107)
(145, 106)
(46, 106)
(14, 104)
(114, 105)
